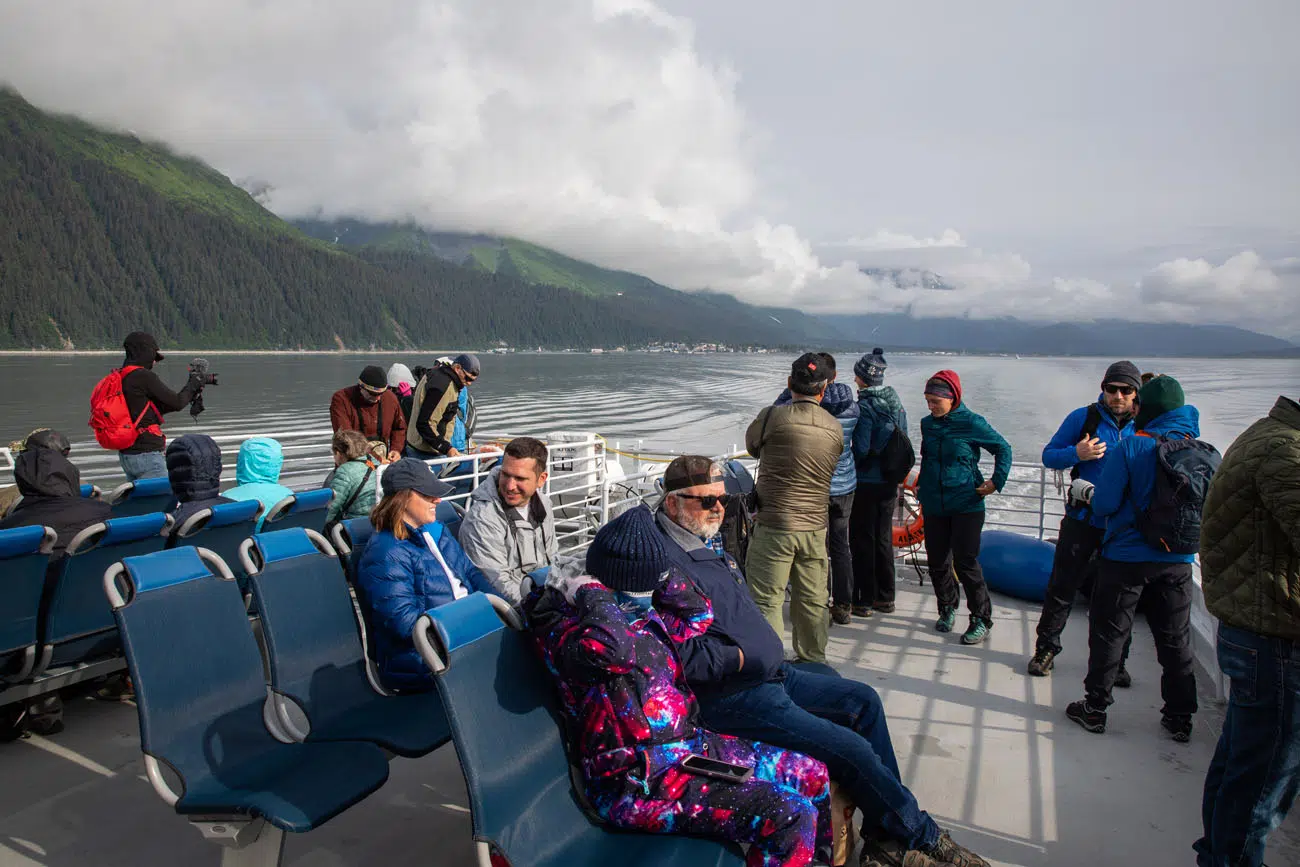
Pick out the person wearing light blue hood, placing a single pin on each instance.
(257, 472)
(1131, 567)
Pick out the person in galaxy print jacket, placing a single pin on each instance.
(633, 718)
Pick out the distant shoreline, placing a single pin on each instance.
(1282, 355)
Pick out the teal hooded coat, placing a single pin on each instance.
(257, 472)
(950, 454)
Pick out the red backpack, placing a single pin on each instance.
(109, 417)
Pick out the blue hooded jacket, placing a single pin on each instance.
(257, 472)
(1059, 453)
(1128, 483)
(878, 407)
(839, 402)
(950, 456)
(397, 581)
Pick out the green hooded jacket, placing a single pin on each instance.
(950, 462)
(1250, 529)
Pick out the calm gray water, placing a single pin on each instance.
(667, 402)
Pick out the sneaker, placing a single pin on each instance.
(1179, 727)
(976, 632)
(840, 615)
(947, 617)
(1123, 679)
(884, 607)
(1092, 720)
(861, 611)
(1042, 663)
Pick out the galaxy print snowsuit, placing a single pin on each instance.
(633, 719)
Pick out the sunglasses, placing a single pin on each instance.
(708, 501)
(1125, 390)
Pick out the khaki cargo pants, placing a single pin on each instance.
(777, 558)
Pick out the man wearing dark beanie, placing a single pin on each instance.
(745, 688)
(1079, 447)
(369, 407)
(1146, 554)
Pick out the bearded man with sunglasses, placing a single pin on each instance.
(1080, 446)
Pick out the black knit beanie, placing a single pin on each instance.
(628, 553)
(871, 368)
(1125, 373)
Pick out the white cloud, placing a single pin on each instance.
(1244, 289)
(883, 239)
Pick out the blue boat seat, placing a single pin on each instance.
(303, 509)
(495, 692)
(91, 491)
(24, 554)
(142, 497)
(349, 538)
(220, 529)
(201, 711)
(450, 517)
(77, 625)
(316, 657)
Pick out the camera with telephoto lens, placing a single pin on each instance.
(199, 368)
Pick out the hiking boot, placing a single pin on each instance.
(1123, 679)
(861, 611)
(947, 617)
(1042, 663)
(116, 688)
(945, 851)
(884, 607)
(1091, 719)
(942, 853)
(976, 632)
(840, 615)
(1179, 727)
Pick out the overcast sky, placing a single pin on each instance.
(1050, 160)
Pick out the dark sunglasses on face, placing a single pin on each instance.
(1125, 390)
(708, 501)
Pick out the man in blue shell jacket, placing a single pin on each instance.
(1129, 566)
(1080, 446)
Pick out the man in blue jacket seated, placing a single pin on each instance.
(1130, 564)
(1081, 445)
(411, 564)
(745, 687)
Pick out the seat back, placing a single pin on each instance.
(24, 554)
(349, 538)
(309, 625)
(496, 692)
(450, 517)
(195, 666)
(78, 625)
(220, 529)
(142, 497)
(304, 509)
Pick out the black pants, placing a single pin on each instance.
(952, 542)
(837, 546)
(1078, 541)
(1168, 607)
(872, 539)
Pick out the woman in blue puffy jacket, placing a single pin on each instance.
(412, 563)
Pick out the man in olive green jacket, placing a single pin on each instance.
(1250, 573)
(798, 446)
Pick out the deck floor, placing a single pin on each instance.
(987, 750)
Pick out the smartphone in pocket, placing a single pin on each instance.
(704, 766)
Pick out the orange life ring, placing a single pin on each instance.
(909, 523)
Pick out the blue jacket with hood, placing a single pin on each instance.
(257, 472)
(1128, 483)
(194, 472)
(397, 581)
(1059, 453)
(878, 407)
(838, 401)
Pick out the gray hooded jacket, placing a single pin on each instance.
(503, 544)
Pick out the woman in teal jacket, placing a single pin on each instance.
(952, 491)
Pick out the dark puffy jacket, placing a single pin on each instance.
(1060, 454)
(397, 581)
(51, 489)
(950, 461)
(621, 684)
(878, 407)
(718, 594)
(838, 401)
(194, 471)
(1250, 529)
(1127, 484)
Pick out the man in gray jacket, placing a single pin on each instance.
(509, 531)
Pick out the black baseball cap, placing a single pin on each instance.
(809, 368)
(688, 471)
(138, 344)
(412, 474)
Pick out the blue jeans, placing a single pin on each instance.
(840, 722)
(1255, 773)
(145, 465)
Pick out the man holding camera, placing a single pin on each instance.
(147, 400)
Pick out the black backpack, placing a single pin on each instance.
(1184, 467)
(738, 519)
(897, 457)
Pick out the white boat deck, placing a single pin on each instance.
(987, 750)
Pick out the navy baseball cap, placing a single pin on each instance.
(412, 474)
